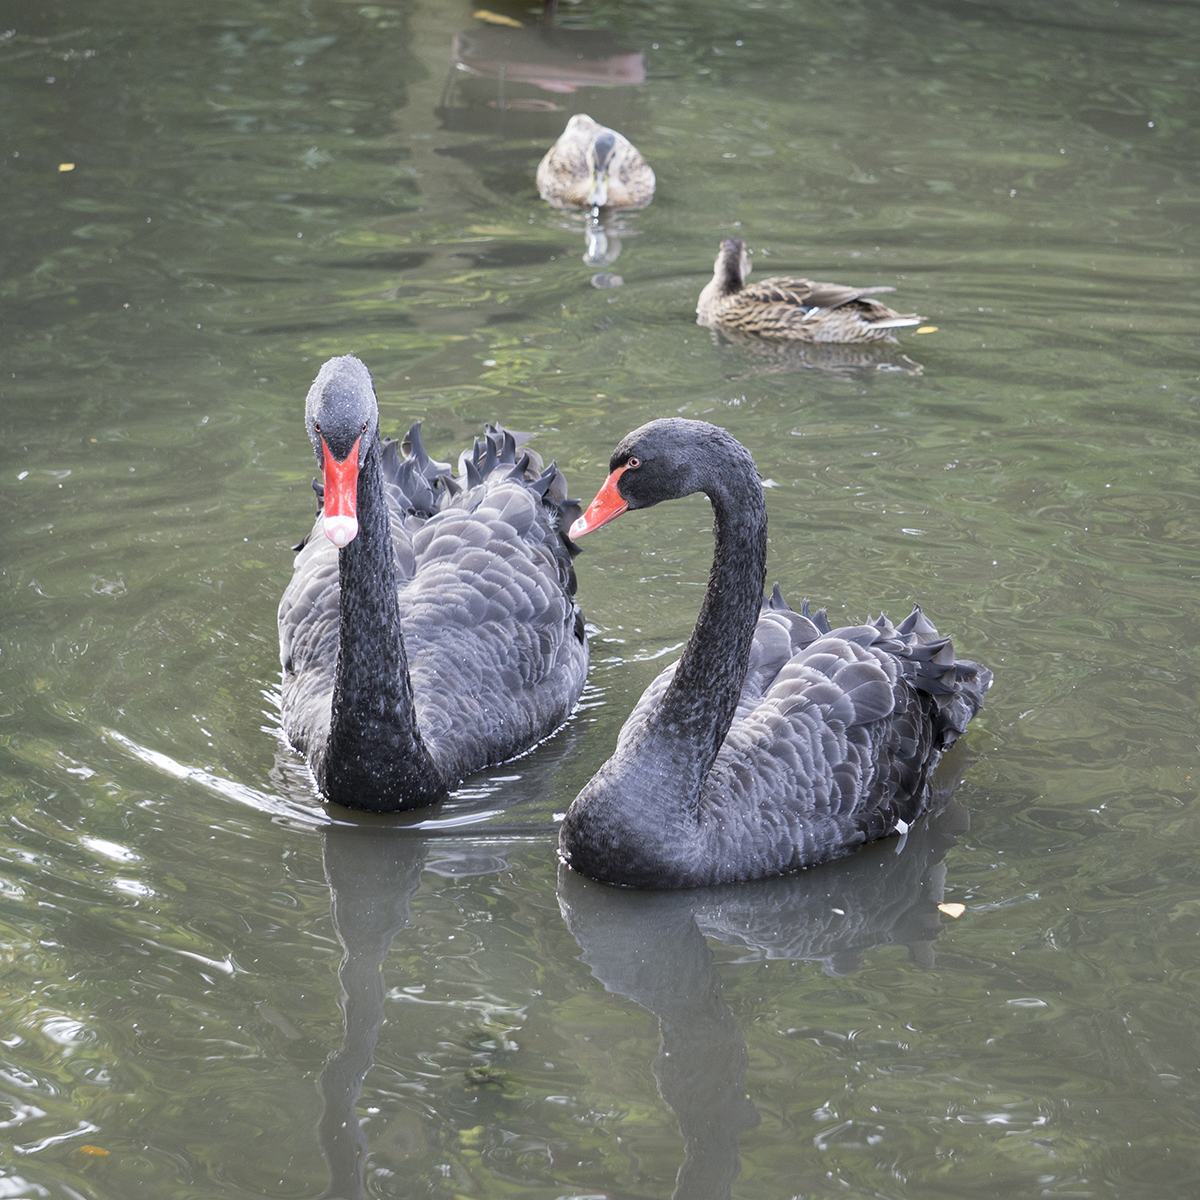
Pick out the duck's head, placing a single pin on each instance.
(732, 267)
(602, 160)
(342, 417)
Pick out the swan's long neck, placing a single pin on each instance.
(701, 701)
(639, 821)
(375, 745)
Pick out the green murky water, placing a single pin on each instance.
(257, 186)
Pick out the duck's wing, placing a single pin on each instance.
(789, 289)
(563, 172)
(634, 182)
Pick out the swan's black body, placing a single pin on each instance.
(775, 742)
(475, 571)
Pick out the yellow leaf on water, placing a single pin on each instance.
(928, 329)
(66, 166)
(99, 1151)
(496, 19)
(952, 910)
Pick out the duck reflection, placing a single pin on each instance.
(650, 947)
(744, 355)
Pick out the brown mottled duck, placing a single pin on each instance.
(786, 307)
(594, 167)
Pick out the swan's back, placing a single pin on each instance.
(496, 649)
(836, 734)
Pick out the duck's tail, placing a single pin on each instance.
(898, 322)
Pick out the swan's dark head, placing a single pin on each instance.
(342, 416)
(663, 460)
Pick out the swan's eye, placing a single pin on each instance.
(317, 426)
(364, 428)
(633, 463)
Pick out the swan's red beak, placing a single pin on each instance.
(341, 496)
(608, 503)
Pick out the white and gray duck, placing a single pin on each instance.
(430, 627)
(776, 742)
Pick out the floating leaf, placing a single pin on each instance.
(496, 19)
(928, 329)
(952, 910)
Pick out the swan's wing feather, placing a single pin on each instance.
(647, 703)
(840, 745)
(308, 635)
(490, 624)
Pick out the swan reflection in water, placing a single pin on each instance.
(372, 878)
(649, 947)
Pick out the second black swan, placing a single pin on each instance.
(775, 742)
(429, 628)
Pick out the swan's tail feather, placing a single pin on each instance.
(518, 471)
(956, 685)
(414, 448)
(820, 618)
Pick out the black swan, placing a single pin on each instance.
(475, 571)
(775, 742)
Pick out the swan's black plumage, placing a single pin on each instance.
(475, 571)
(776, 742)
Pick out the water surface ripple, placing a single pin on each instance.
(213, 984)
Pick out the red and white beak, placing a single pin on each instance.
(341, 496)
(608, 503)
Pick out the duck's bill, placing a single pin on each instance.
(609, 503)
(597, 195)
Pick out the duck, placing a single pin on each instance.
(776, 742)
(595, 168)
(430, 627)
(786, 307)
